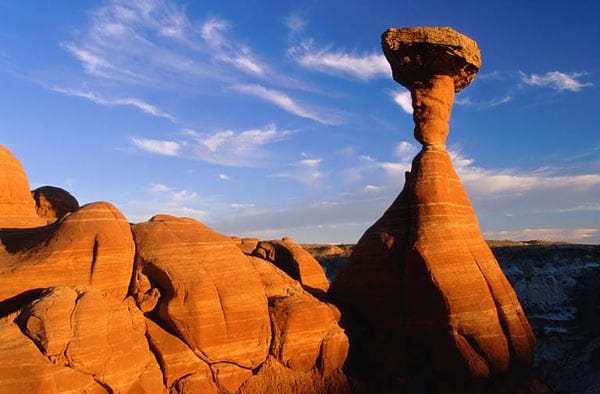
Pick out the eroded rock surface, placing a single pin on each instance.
(94, 334)
(296, 262)
(425, 263)
(17, 208)
(211, 295)
(92, 247)
(52, 203)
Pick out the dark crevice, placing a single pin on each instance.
(159, 359)
(94, 258)
(17, 240)
(13, 304)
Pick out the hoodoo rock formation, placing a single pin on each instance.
(423, 293)
(92, 304)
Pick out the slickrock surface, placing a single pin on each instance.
(52, 203)
(425, 263)
(92, 304)
(17, 208)
(91, 247)
(211, 295)
(221, 305)
(23, 369)
(296, 262)
(95, 334)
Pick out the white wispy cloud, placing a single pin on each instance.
(404, 100)
(285, 102)
(214, 33)
(224, 177)
(405, 151)
(295, 23)
(363, 67)
(159, 198)
(160, 147)
(224, 147)
(373, 188)
(122, 101)
(556, 80)
(482, 104)
(306, 171)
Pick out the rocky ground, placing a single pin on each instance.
(558, 285)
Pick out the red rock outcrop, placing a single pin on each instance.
(94, 334)
(23, 369)
(52, 203)
(211, 296)
(17, 208)
(221, 305)
(92, 247)
(296, 262)
(425, 262)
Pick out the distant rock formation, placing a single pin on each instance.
(92, 304)
(296, 262)
(52, 203)
(423, 293)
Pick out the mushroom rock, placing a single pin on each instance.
(17, 208)
(52, 203)
(457, 316)
(91, 332)
(92, 247)
(211, 296)
(296, 262)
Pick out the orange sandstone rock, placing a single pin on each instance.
(306, 334)
(211, 296)
(94, 334)
(183, 371)
(52, 203)
(25, 370)
(296, 262)
(17, 208)
(92, 247)
(457, 315)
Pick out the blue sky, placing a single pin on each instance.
(274, 119)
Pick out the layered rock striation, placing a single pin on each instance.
(92, 304)
(422, 288)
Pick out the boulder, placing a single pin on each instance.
(296, 262)
(52, 203)
(184, 372)
(211, 296)
(17, 208)
(91, 332)
(23, 369)
(92, 247)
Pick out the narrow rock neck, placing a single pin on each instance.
(432, 103)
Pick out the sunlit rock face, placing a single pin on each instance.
(17, 208)
(423, 291)
(92, 304)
